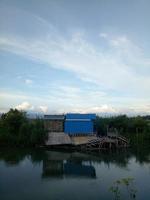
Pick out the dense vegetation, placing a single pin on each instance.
(137, 129)
(17, 130)
(123, 124)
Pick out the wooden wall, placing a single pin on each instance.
(54, 125)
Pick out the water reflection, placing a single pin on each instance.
(79, 169)
(61, 165)
(66, 174)
(52, 169)
(13, 157)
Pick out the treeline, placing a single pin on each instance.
(137, 129)
(123, 124)
(17, 130)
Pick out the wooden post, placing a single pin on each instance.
(110, 145)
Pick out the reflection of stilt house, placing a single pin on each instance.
(79, 170)
(54, 123)
(60, 164)
(52, 168)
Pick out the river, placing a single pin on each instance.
(60, 175)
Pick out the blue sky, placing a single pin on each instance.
(59, 56)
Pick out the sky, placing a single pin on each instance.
(59, 56)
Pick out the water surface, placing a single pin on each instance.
(57, 175)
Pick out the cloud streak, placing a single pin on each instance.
(117, 68)
(114, 64)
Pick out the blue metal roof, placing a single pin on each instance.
(79, 116)
(78, 127)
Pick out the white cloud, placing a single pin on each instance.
(120, 41)
(24, 106)
(28, 81)
(43, 108)
(103, 35)
(105, 108)
(97, 109)
(63, 101)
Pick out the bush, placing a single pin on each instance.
(16, 129)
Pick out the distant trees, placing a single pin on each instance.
(16, 129)
(137, 129)
(123, 124)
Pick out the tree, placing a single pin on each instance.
(10, 125)
(38, 134)
(16, 129)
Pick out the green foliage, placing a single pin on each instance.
(137, 129)
(123, 124)
(38, 134)
(119, 185)
(101, 125)
(16, 129)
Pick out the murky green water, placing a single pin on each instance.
(54, 175)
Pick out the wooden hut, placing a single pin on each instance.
(54, 123)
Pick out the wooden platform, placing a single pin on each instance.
(86, 142)
(105, 143)
(79, 140)
(59, 138)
